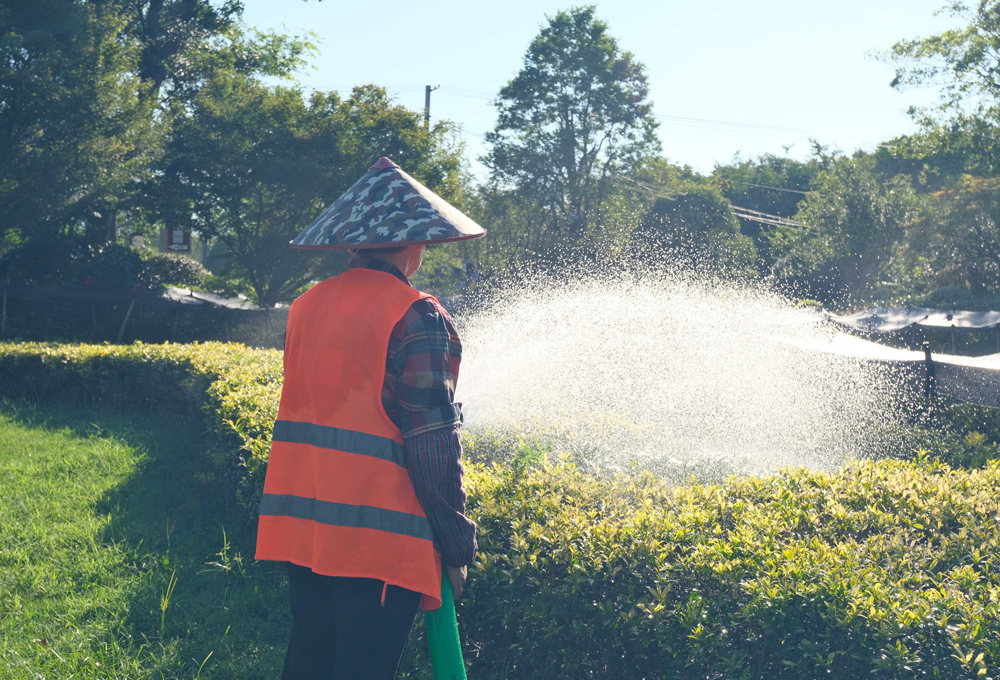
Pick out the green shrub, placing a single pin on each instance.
(73, 262)
(882, 570)
(886, 569)
(168, 269)
(962, 435)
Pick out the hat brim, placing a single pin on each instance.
(389, 244)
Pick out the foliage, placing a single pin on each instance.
(74, 127)
(74, 262)
(961, 435)
(89, 92)
(855, 220)
(960, 135)
(696, 226)
(768, 184)
(573, 118)
(971, 238)
(165, 269)
(251, 165)
(69, 263)
(883, 570)
(948, 255)
(965, 61)
(441, 272)
(943, 151)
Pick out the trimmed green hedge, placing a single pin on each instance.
(232, 389)
(884, 569)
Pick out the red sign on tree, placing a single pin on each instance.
(177, 240)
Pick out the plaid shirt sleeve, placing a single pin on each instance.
(434, 461)
(424, 359)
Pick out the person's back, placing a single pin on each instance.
(363, 491)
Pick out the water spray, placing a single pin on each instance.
(681, 374)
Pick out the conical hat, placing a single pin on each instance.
(387, 208)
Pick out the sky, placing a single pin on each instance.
(726, 77)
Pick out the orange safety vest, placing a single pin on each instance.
(337, 496)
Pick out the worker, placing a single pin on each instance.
(363, 496)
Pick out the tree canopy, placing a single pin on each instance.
(121, 118)
(156, 112)
(252, 165)
(576, 116)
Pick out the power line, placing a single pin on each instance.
(641, 185)
(689, 121)
(767, 218)
(682, 121)
(764, 186)
(467, 93)
(739, 211)
(677, 121)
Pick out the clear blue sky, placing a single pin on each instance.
(726, 76)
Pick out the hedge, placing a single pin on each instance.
(885, 569)
(232, 389)
(882, 570)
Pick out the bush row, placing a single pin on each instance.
(885, 569)
(882, 570)
(231, 389)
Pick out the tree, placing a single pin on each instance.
(575, 117)
(855, 222)
(696, 227)
(961, 133)
(964, 61)
(88, 91)
(954, 249)
(943, 150)
(252, 165)
(769, 184)
(168, 32)
(73, 127)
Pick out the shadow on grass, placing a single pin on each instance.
(225, 616)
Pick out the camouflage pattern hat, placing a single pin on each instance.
(386, 208)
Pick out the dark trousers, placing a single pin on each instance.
(341, 630)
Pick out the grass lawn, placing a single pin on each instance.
(120, 557)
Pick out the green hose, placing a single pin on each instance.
(442, 637)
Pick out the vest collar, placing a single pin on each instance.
(363, 262)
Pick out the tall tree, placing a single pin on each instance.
(964, 62)
(251, 165)
(168, 31)
(88, 89)
(73, 127)
(953, 251)
(574, 117)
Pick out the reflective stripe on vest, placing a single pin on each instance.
(344, 515)
(326, 437)
(337, 495)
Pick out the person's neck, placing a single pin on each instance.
(393, 260)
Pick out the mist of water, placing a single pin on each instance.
(680, 375)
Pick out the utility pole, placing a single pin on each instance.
(427, 105)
